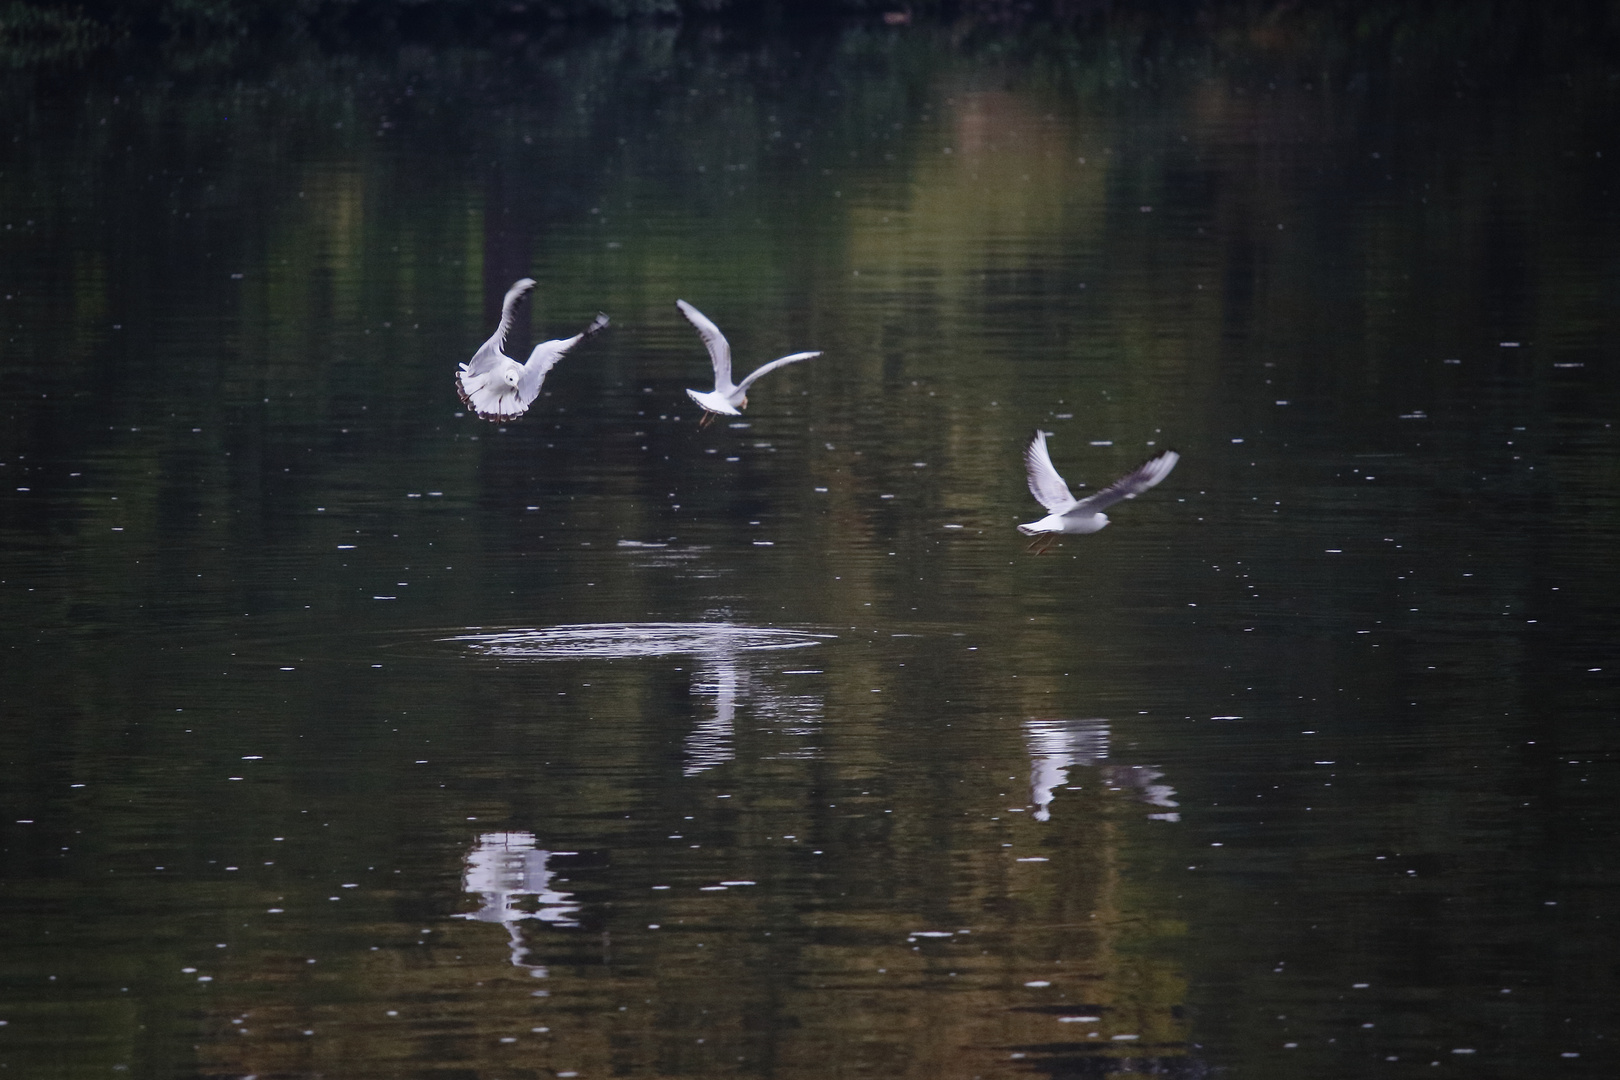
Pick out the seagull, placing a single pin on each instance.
(494, 386)
(1071, 515)
(727, 398)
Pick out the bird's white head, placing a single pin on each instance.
(510, 376)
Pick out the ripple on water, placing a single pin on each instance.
(624, 641)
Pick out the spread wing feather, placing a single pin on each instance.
(1131, 484)
(491, 352)
(1044, 482)
(719, 347)
(545, 357)
(773, 365)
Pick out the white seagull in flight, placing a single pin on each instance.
(727, 398)
(1071, 515)
(495, 387)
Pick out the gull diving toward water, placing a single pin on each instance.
(494, 386)
(1071, 515)
(727, 398)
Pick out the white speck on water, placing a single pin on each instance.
(1036, 983)
(1126, 1038)
(1078, 1019)
(1034, 858)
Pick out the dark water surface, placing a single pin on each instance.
(345, 735)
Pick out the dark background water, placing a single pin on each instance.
(1305, 764)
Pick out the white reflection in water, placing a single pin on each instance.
(626, 641)
(722, 651)
(1056, 746)
(1139, 779)
(505, 870)
(710, 742)
(724, 674)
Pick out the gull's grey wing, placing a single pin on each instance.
(719, 347)
(1044, 482)
(773, 365)
(545, 357)
(1131, 484)
(491, 351)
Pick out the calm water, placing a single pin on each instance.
(342, 734)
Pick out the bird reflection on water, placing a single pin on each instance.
(1056, 746)
(506, 870)
(724, 651)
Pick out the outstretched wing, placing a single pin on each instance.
(545, 357)
(719, 347)
(773, 365)
(1044, 482)
(1131, 484)
(491, 352)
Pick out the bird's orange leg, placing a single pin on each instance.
(708, 418)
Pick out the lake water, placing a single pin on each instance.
(343, 734)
